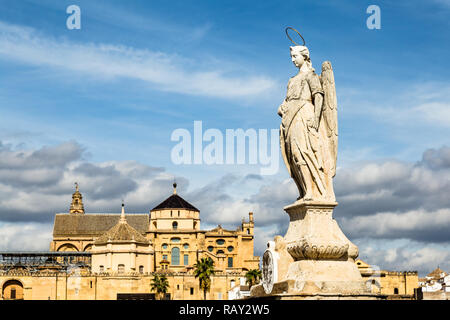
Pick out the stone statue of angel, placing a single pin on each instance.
(308, 131)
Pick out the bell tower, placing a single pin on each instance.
(76, 207)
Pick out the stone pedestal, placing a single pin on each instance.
(314, 260)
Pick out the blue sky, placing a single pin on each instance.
(138, 70)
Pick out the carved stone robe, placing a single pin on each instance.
(303, 148)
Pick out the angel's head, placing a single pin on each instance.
(300, 56)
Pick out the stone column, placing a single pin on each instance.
(324, 259)
(314, 259)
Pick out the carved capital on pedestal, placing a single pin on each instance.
(317, 249)
(314, 235)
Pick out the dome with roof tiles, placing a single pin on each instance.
(122, 232)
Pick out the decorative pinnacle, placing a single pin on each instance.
(174, 187)
(122, 215)
(76, 186)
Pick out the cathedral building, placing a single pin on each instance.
(108, 256)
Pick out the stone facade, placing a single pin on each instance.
(94, 286)
(126, 250)
(391, 283)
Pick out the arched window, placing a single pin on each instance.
(210, 248)
(220, 252)
(175, 256)
(67, 247)
(230, 248)
(174, 225)
(141, 269)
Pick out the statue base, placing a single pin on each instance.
(309, 290)
(314, 260)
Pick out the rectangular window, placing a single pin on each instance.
(230, 262)
(164, 256)
(13, 293)
(121, 268)
(192, 291)
(102, 268)
(141, 269)
(175, 256)
(186, 259)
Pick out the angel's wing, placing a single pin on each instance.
(329, 111)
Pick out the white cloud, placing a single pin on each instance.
(398, 225)
(424, 103)
(25, 236)
(434, 112)
(167, 72)
(407, 257)
(381, 203)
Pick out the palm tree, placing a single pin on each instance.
(160, 284)
(203, 270)
(253, 276)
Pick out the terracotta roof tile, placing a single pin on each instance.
(122, 232)
(95, 224)
(175, 202)
(436, 273)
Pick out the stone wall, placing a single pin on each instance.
(82, 285)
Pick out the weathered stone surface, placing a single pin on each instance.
(322, 259)
(309, 290)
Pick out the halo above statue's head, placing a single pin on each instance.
(287, 33)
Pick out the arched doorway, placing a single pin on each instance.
(374, 285)
(12, 290)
